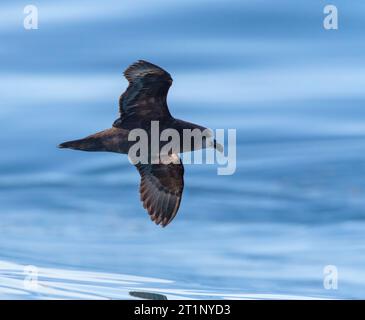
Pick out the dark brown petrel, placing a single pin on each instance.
(145, 101)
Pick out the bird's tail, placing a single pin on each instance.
(95, 142)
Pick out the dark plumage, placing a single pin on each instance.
(145, 101)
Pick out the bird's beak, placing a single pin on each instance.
(219, 147)
(214, 144)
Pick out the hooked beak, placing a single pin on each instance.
(214, 144)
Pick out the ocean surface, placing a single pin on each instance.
(296, 203)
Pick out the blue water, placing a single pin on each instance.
(295, 94)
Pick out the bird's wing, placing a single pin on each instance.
(146, 93)
(161, 190)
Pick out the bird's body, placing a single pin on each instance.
(140, 105)
(116, 140)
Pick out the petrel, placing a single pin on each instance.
(144, 102)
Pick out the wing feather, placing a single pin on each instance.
(146, 95)
(161, 190)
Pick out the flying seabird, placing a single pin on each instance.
(145, 100)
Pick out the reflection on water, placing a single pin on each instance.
(147, 295)
(293, 91)
(49, 283)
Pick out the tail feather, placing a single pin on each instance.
(91, 143)
(112, 140)
(82, 144)
(75, 144)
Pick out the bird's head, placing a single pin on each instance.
(214, 144)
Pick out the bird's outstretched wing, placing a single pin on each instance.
(146, 94)
(161, 190)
